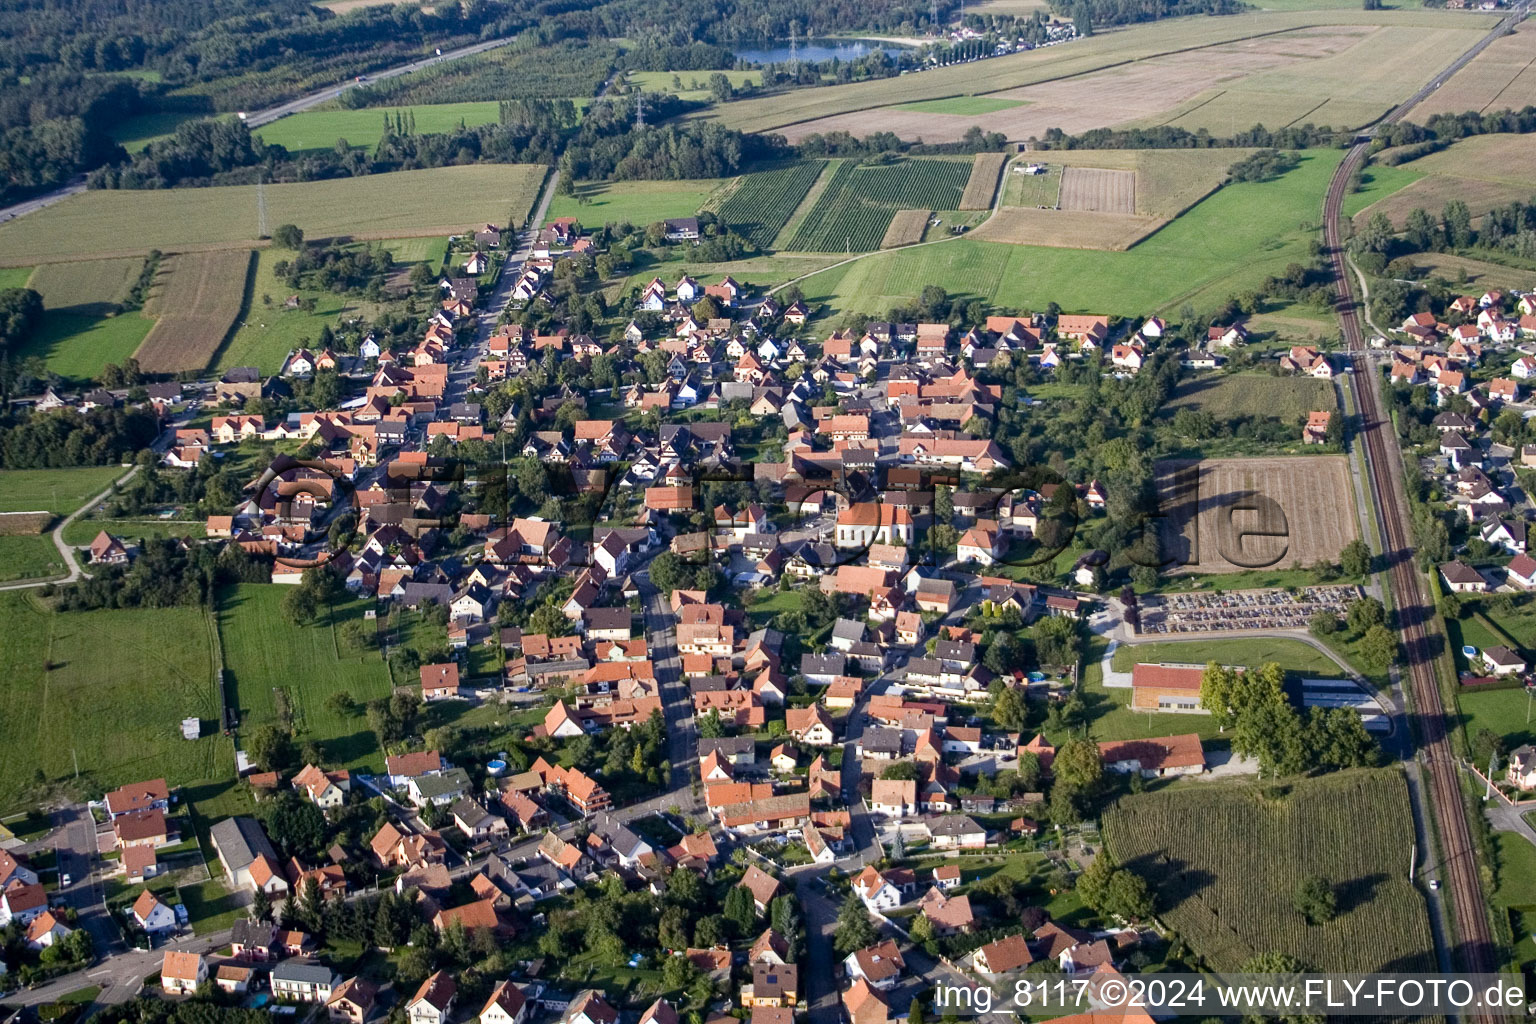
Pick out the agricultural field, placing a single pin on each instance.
(638, 202)
(264, 654)
(1227, 243)
(963, 106)
(268, 330)
(1094, 190)
(856, 207)
(982, 185)
(762, 203)
(1499, 78)
(1224, 860)
(440, 201)
(196, 299)
(107, 687)
(1377, 181)
(1311, 518)
(59, 491)
(87, 287)
(1060, 207)
(320, 129)
(1292, 655)
(906, 228)
(15, 277)
(1274, 67)
(77, 347)
(1484, 171)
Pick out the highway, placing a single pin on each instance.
(1422, 641)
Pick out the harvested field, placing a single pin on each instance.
(963, 106)
(86, 287)
(982, 185)
(1098, 191)
(1484, 171)
(24, 524)
(1285, 68)
(1229, 396)
(906, 228)
(197, 299)
(1502, 76)
(1071, 229)
(1228, 515)
(440, 201)
(1434, 191)
(1225, 858)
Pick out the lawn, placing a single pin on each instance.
(963, 106)
(439, 201)
(267, 332)
(1292, 655)
(1225, 858)
(29, 557)
(1503, 712)
(108, 688)
(211, 907)
(1516, 871)
(1227, 243)
(320, 129)
(263, 654)
(84, 530)
(78, 346)
(638, 202)
(59, 491)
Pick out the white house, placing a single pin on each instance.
(433, 1001)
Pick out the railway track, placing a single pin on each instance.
(1474, 950)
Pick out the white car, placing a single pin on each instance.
(64, 882)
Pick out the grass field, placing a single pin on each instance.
(15, 277)
(1378, 181)
(108, 687)
(690, 85)
(638, 202)
(1502, 712)
(855, 209)
(963, 106)
(1225, 858)
(86, 287)
(79, 346)
(134, 133)
(263, 653)
(29, 557)
(320, 129)
(196, 299)
(84, 529)
(1225, 244)
(1291, 655)
(1227, 396)
(59, 491)
(762, 203)
(439, 201)
(268, 332)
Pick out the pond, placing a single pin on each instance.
(816, 50)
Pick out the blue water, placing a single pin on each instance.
(816, 50)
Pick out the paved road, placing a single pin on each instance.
(66, 551)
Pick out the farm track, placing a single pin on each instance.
(1475, 951)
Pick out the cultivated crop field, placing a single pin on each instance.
(263, 653)
(762, 203)
(1098, 191)
(197, 300)
(440, 201)
(109, 688)
(1309, 515)
(1500, 77)
(1225, 858)
(1227, 243)
(906, 228)
(859, 202)
(86, 287)
(982, 185)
